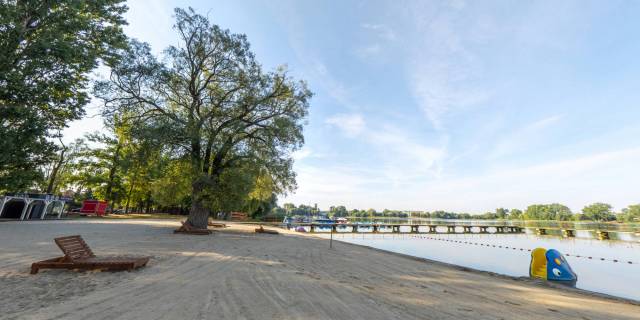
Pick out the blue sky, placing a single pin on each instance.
(452, 105)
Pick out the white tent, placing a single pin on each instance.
(34, 206)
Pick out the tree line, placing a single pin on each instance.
(201, 128)
(551, 212)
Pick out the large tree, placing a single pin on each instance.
(216, 103)
(47, 49)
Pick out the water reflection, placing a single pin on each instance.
(615, 278)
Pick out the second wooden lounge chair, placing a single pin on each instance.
(78, 255)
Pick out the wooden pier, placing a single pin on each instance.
(408, 228)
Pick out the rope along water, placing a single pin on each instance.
(523, 249)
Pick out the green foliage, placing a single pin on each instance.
(172, 188)
(631, 213)
(339, 211)
(47, 49)
(515, 214)
(554, 211)
(24, 148)
(597, 212)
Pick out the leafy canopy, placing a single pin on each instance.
(219, 108)
(47, 49)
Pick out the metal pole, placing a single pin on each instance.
(331, 239)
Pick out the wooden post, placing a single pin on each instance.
(375, 228)
(331, 237)
(432, 229)
(354, 228)
(451, 229)
(414, 229)
(312, 228)
(602, 235)
(541, 231)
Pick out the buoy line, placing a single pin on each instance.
(523, 249)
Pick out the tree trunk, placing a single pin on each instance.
(112, 174)
(126, 209)
(199, 213)
(54, 172)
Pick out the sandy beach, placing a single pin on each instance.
(237, 274)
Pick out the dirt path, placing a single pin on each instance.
(240, 275)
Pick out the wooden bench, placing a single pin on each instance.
(238, 216)
(78, 255)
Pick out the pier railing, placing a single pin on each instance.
(407, 228)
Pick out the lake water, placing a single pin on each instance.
(496, 253)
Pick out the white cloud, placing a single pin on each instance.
(368, 51)
(351, 124)
(402, 159)
(604, 176)
(608, 176)
(303, 153)
(523, 138)
(444, 70)
(382, 31)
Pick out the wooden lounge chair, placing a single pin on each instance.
(263, 230)
(78, 255)
(187, 228)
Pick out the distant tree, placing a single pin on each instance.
(338, 211)
(289, 207)
(554, 211)
(47, 50)
(515, 214)
(371, 212)
(598, 212)
(631, 213)
(502, 213)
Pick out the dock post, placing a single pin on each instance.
(451, 229)
(414, 229)
(334, 228)
(312, 228)
(432, 229)
(396, 229)
(541, 231)
(354, 228)
(500, 229)
(602, 235)
(483, 229)
(467, 229)
(568, 233)
(375, 228)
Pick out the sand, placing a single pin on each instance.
(237, 274)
